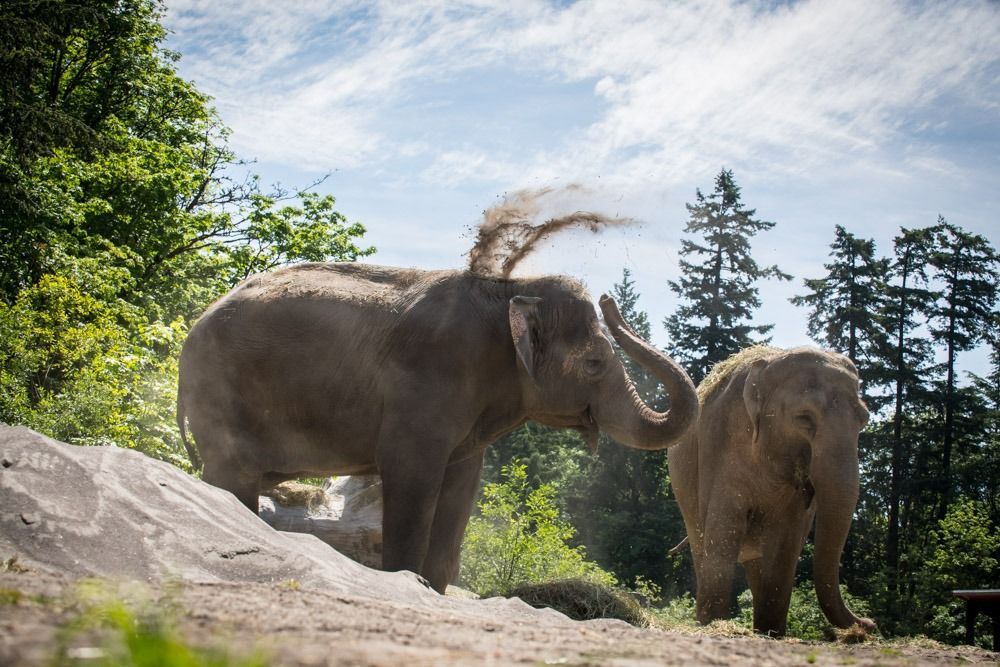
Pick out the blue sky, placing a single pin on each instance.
(872, 114)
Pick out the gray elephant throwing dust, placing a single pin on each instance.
(323, 369)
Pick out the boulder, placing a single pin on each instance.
(112, 512)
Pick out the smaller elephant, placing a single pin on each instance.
(775, 448)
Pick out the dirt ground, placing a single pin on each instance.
(288, 625)
(80, 527)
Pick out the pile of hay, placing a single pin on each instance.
(583, 601)
(297, 494)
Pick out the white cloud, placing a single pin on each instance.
(677, 87)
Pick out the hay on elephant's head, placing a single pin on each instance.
(856, 634)
(583, 600)
(722, 371)
(297, 494)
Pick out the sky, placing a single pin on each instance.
(871, 114)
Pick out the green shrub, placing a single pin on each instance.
(518, 537)
(964, 556)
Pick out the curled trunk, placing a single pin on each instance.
(623, 415)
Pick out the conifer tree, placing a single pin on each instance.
(907, 360)
(966, 265)
(983, 467)
(717, 284)
(843, 303)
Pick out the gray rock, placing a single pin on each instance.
(111, 512)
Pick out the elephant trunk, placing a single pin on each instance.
(623, 415)
(834, 476)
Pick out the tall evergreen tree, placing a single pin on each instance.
(984, 469)
(906, 365)
(717, 284)
(843, 302)
(966, 265)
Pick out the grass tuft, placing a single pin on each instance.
(10, 596)
(125, 625)
(11, 565)
(584, 600)
(856, 634)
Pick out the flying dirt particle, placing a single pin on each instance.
(509, 233)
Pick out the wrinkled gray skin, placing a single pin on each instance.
(776, 446)
(346, 369)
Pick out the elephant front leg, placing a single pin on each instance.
(455, 503)
(411, 483)
(772, 578)
(720, 548)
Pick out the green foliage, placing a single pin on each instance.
(85, 366)
(133, 633)
(676, 613)
(123, 214)
(519, 537)
(965, 554)
(553, 456)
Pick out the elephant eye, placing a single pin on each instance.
(593, 366)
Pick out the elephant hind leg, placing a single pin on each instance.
(245, 486)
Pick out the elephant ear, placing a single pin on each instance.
(753, 400)
(525, 329)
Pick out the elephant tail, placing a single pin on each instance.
(680, 546)
(192, 452)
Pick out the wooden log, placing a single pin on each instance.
(346, 513)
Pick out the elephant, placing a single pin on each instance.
(775, 448)
(352, 369)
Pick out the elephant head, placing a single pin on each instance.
(572, 377)
(804, 408)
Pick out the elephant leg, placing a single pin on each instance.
(245, 486)
(455, 503)
(412, 473)
(772, 579)
(724, 531)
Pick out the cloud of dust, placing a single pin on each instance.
(509, 231)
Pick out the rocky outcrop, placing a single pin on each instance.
(106, 511)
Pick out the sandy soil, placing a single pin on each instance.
(289, 626)
(86, 524)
